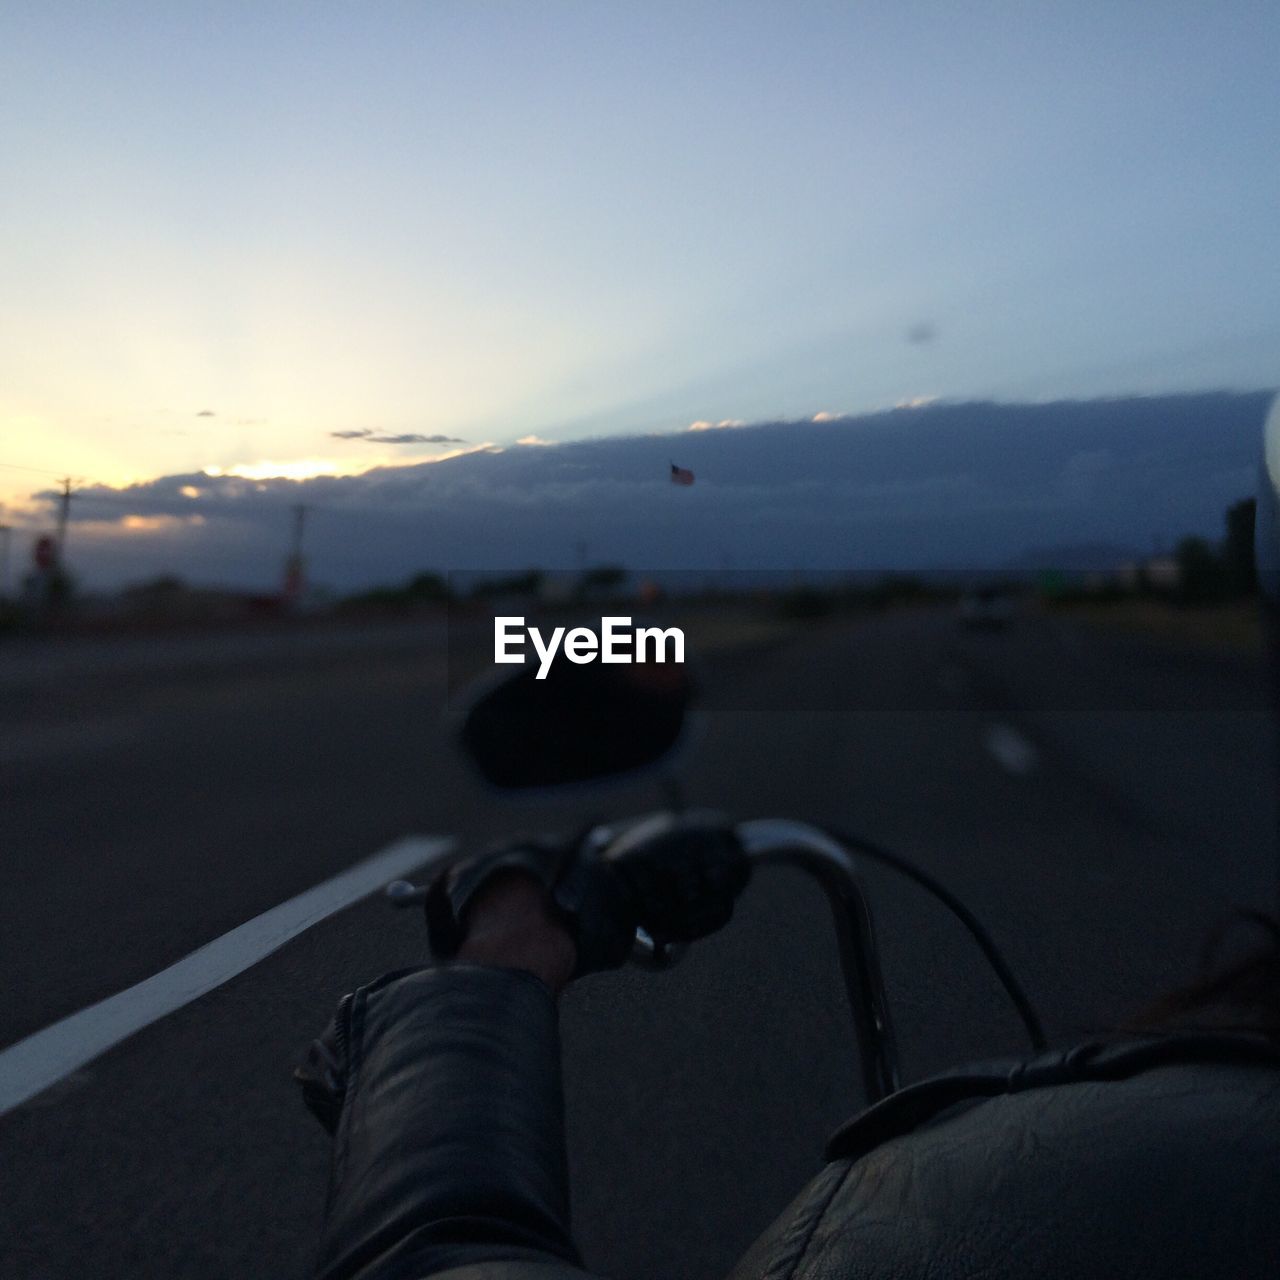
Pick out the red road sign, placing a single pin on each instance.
(46, 552)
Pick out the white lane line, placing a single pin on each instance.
(42, 1059)
(1013, 751)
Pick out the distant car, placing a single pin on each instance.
(987, 609)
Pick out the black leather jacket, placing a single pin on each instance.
(1152, 1157)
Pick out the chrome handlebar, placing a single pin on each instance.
(782, 842)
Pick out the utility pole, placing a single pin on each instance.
(64, 510)
(299, 523)
(5, 531)
(293, 576)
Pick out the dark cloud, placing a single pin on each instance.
(408, 437)
(940, 486)
(206, 413)
(413, 438)
(921, 333)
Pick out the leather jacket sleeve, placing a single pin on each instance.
(1155, 1157)
(442, 1090)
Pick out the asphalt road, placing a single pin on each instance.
(1098, 801)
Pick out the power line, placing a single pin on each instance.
(40, 471)
(177, 506)
(167, 505)
(117, 496)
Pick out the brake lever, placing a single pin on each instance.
(648, 952)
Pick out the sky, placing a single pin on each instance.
(230, 231)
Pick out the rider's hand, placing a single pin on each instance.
(511, 925)
(676, 876)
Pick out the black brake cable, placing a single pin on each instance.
(1013, 988)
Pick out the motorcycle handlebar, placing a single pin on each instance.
(783, 842)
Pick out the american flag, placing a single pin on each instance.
(680, 476)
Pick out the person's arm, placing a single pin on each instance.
(449, 1143)
(511, 926)
(442, 1086)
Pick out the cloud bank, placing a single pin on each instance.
(933, 487)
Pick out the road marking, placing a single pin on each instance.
(47, 1056)
(1013, 751)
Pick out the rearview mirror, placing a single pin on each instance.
(579, 724)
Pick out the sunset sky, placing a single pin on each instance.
(232, 230)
